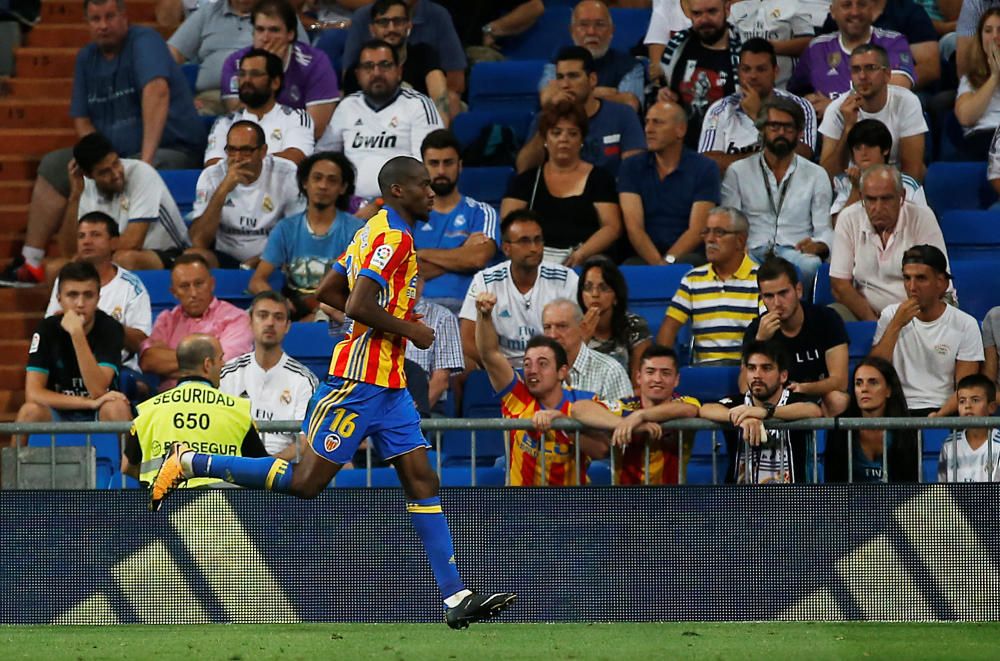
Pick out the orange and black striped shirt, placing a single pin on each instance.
(383, 251)
(559, 446)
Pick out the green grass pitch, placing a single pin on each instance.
(615, 641)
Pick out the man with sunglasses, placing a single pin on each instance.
(239, 200)
(382, 121)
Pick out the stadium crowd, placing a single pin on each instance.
(777, 149)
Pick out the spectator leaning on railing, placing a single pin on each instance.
(876, 393)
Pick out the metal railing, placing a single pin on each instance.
(434, 428)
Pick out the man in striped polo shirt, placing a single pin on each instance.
(720, 298)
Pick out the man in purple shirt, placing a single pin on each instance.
(823, 72)
(199, 311)
(310, 83)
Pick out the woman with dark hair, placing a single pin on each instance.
(978, 104)
(578, 201)
(608, 325)
(305, 245)
(876, 393)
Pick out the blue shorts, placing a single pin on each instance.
(343, 412)
(73, 415)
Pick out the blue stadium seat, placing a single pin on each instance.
(485, 184)
(650, 289)
(860, 334)
(181, 184)
(822, 294)
(108, 454)
(510, 85)
(468, 125)
(599, 473)
(977, 282)
(543, 39)
(310, 344)
(478, 401)
(356, 477)
(933, 440)
(699, 468)
(462, 477)
(630, 27)
(971, 234)
(950, 186)
(230, 285)
(709, 383)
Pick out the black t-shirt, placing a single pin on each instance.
(701, 77)
(797, 439)
(52, 353)
(469, 16)
(822, 329)
(421, 59)
(567, 221)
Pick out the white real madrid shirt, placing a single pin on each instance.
(516, 316)
(284, 128)
(250, 212)
(280, 393)
(774, 20)
(145, 199)
(370, 136)
(125, 300)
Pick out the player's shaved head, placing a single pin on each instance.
(193, 350)
(398, 171)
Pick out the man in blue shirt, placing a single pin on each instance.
(306, 245)
(127, 87)
(613, 131)
(666, 193)
(461, 236)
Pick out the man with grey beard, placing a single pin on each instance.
(784, 196)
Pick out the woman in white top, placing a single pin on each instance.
(978, 104)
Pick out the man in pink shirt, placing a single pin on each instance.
(199, 312)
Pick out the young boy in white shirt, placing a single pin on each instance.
(966, 456)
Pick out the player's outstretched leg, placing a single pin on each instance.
(304, 480)
(420, 484)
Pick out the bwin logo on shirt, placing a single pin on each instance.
(380, 141)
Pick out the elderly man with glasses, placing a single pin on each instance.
(720, 298)
(239, 200)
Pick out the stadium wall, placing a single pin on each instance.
(822, 552)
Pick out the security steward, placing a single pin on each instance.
(194, 411)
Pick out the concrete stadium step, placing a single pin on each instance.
(10, 402)
(35, 114)
(36, 88)
(12, 376)
(13, 218)
(44, 62)
(15, 167)
(14, 352)
(20, 325)
(35, 141)
(15, 192)
(72, 35)
(29, 301)
(10, 245)
(71, 11)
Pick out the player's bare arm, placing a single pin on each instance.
(362, 306)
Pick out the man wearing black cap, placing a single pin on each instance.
(931, 344)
